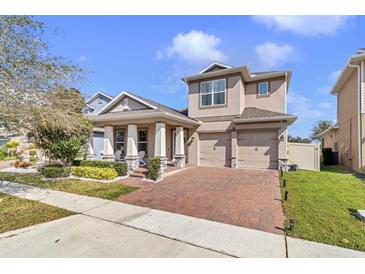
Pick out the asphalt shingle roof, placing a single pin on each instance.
(253, 112)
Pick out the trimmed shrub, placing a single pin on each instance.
(121, 168)
(76, 162)
(56, 172)
(97, 163)
(153, 168)
(33, 158)
(94, 172)
(31, 146)
(32, 152)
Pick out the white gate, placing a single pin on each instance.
(306, 156)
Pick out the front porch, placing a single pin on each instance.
(135, 143)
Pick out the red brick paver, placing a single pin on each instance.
(248, 198)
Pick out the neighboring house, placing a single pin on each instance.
(234, 118)
(93, 106)
(347, 137)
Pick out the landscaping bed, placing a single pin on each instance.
(17, 212)
(323, 205)
(109, 191)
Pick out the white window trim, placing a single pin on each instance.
(212, 92)
(142, 142)
(258, 89)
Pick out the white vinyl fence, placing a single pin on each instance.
(306, 156)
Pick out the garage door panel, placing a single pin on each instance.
(215, 149)
(258, 149)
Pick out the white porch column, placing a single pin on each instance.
(234, 148)
(108, 153)
(160, 145)
(179, 155)
(132, 151)
(90, 149)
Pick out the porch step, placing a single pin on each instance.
(139, 172)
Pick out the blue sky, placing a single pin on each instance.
(148, 55)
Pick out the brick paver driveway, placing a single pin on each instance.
(248, 198)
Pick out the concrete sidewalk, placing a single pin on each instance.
(112, 229)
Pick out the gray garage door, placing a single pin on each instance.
(258, 149)
(98, 143)
(215, 149)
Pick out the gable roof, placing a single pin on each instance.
(253, 114)
(155, 108)
(347, 70)
(213, 66)
(243, 70)
(96, 95)
(120, 96)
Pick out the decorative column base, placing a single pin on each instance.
(108, 157)
(132, 162)
(179, 160)
(234, 163)
(90, 156)
(163, 164)
(284, 164)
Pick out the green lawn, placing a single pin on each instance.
(106, 191)
(323, 205)
(16, 212)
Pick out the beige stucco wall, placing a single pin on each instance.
(275, 101)
(234, 99)
(133, 105)
(347, 135)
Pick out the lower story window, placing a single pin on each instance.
(142, 140)
(119, 144)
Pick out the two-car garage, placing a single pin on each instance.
(255, 149)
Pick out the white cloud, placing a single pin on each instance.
(271, 54)
(324, 105)
(334, 75)
(304, 25)
(302, 107)
(324, 90)
(82, 59)
(195, 46)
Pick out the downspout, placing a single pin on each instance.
(358, 67)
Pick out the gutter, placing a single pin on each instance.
(151, 115)
(358, 67)
(265, 119)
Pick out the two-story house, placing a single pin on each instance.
(234, 118)
(347, 136)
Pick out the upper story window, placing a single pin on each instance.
(263, 88)
(213, 93)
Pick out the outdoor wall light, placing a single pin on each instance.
(281, 138)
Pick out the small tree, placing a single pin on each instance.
(60, 128)
(319, 127)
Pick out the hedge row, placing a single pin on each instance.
(94, 172)
(120, 167)
(56, 172)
